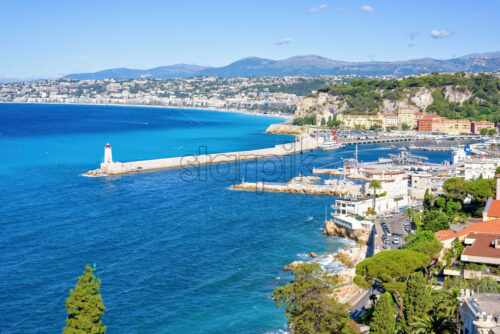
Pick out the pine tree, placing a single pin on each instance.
(384, 316)
(84, 306)
(418, 301)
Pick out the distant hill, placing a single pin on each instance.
(173, 71)
(306, 66)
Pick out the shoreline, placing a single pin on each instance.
(239, 111)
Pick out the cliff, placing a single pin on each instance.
(454, 96)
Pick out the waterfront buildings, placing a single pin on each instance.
(477, 126)
(479, 312)
(436, 124)
(393, 194)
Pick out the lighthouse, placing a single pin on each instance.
(108, 159)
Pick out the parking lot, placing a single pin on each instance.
(392, 229)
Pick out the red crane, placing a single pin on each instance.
(334, 133)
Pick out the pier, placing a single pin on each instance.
(109, 167)
(387, 139)
(297, 188)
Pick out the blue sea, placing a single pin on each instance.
(176, 250)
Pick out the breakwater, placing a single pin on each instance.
(117, 168)
(294, 188)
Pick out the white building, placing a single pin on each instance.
(474, 168)
(479, 312)
(394, 193)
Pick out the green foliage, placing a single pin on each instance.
(440, 202)
(391, 265)
(307, 120)
(404, 126)
(384, 316)
(456, 188)
(84, 306)
(435, 220)
(452, 208)
(428, 201)
(481, 189)
(483, 132)
(417, 300)
(309, 305)
(424, 242)
(433, 324)
(484, 284)
(365, 96)
(492, 132)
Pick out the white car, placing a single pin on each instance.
(395, 241)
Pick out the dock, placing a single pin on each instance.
(296, 188)
(431, 148)
(110, 167)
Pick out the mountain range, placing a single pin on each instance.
(310, 65)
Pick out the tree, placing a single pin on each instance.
(481, 189)
(435, 220)
(483, 132)
(391, 268)
(456, 188)
(433, 324)
(384, 316)
(404, 126)
(309, 305)
(375, 185)
(417, 300)
(84, 306)
(484, 284)
(452, 208)
(428, 201)
(492, 132)
(441, 202)
(424, 242)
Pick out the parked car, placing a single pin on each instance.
(395, 241)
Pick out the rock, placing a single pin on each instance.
(286, 268)
(312, 254)
(326, 255)
(295, 264)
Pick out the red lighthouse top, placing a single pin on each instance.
(108, 146)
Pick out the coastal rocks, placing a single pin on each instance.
(293, 188)
(284, 129)
(293, 265)
(326, 255)
(361, 236)
(324, 106)
(313, 255)
(457, 94)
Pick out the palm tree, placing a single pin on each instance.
(434, 324)
(448, 304)
(375, 185)
(373, 298)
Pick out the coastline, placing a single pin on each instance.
(239, 111)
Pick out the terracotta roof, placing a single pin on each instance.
(489, 226)
(494, 209)
(482, 245)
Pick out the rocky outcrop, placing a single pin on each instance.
(313, 255)
(361, 236)
(284, 129)
(324, 106)
(456, 94)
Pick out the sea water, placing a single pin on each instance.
(176, 250)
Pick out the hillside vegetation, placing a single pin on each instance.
(459, 95)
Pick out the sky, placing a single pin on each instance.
(51, 38)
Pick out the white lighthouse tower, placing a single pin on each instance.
(108, 158)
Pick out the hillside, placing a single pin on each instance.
(460, 95)
(309, 65)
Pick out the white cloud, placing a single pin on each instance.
(321, 8)
(366, 8)
(287, 40)
(440, 34)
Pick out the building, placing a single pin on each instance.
(477, 126)
(481, 248)
(434, 123)
(475, 168)
(492, 208)
(406, 115)
(393, 194)
(479, 312)
(361, 121)
(447, 237)
(391, 120)
(457, 126)
(420, 182)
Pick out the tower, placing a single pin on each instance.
(107, 154)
